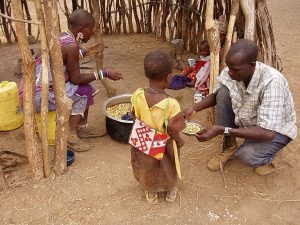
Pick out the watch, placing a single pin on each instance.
(226, 131)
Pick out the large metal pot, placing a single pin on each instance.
(117, 129)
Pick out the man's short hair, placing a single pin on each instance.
(246, 47)
(158, 65)
(80, 17)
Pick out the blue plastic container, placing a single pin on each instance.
(70, 157)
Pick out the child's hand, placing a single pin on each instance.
(189, 113)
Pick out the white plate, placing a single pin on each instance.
(192, 124)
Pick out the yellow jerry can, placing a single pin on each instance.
(51, 126)
(11, 116)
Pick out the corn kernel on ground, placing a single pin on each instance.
(119, 110)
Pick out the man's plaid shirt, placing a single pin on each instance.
(266, 102)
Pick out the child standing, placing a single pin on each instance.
(153, 106)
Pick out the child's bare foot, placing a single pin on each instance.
(171, 195)
(151, 197)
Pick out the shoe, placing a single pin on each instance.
(265, 170)
(151, 197)
(270, 168)
(85, 131)
(229, 148)
(76, 144)
(171, 195)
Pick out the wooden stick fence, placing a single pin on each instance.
(169, 19)
(190, 20)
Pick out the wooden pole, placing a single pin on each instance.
(28, 17)
(8, 11)
(32, 141)
(19, 20)
(45, 87)
(266, 40)
(4, 22)
(110, 90)
(248, 8)
(136, 17)
(63, 103)
(214, 44)
(233, 13)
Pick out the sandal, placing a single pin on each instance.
(84, 131)
(76, 144)
(171, 195)
(79, 147)
(151, 197)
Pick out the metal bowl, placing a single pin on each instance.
(117, 129)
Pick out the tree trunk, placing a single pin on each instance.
(45, 87)
(233, 13)
(32, 140)
(63, 103)
(214, 44)
(110, 90)
(248, 8)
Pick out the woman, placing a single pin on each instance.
(78, 88)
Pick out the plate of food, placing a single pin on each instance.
(192, 128)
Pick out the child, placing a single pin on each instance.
(203, 58)
(152, 106)
(202, 77)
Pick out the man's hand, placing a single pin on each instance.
(209, 133)
(114, 75)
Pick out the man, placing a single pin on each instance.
(253, 102)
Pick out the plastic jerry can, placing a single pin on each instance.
(11, 116)
(51, 126)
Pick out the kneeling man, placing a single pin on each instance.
(253, 102)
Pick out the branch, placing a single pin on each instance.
(19, 20)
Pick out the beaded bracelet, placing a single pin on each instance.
(100, 75)
(96, 76)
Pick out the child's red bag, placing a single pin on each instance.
(148, 140)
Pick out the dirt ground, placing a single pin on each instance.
(99, 187)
